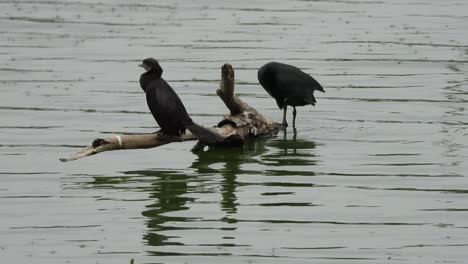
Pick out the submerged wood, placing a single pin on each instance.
(243, 122)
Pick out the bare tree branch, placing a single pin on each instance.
(244, 121)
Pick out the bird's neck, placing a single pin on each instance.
(147, 77)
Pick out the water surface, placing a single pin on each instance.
(375, 174)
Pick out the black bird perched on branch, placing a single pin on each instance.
(167, 108)
(289, 86)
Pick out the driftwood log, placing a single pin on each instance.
(242, 123)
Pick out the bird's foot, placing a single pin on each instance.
(160, 133)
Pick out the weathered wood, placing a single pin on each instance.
(226, 92)
(144, 141)
(243, 122)
(247, 120)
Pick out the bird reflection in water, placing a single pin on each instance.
(231, 161)
(290, 151)
(172, 191)
(168, 193)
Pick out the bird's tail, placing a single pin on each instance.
(310, 99)
(204, 134)
(318, 86)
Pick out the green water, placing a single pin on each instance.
(375, 174)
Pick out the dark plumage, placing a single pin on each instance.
(166, 106)
(289, 86)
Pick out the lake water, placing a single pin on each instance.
(377, 172)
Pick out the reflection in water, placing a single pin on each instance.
(293, 146)
(273, 152)
(394, 121)
(290, 152)
(166, 190)
(168, 194)
(231, 160)
(172, 192)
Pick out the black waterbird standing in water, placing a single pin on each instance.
(167, 108)
(289, 86)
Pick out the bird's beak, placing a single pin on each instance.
(141, 65)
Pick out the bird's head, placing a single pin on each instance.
(151, 65)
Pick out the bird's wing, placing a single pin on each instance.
(310, 99)
(297, 82)
(166, 106)
(280, 103)
(297, 86)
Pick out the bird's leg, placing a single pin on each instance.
(294, 117)
(285, 124)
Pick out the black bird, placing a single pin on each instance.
(289, 86)
(167, 108)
